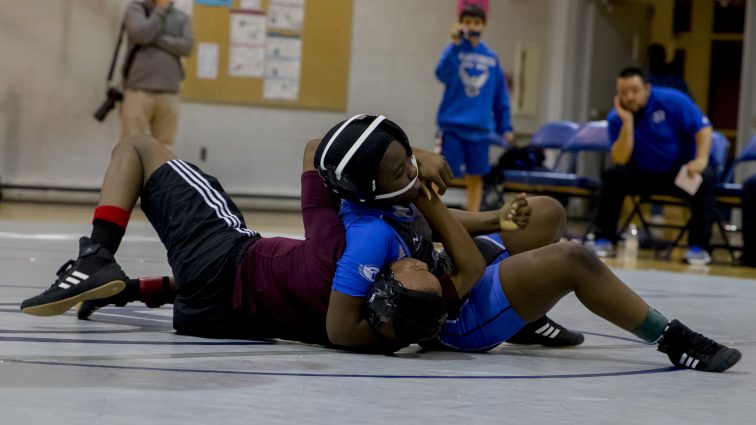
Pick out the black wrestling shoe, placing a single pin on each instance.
(688, 349)
(548, 333)
(93, 275)
(85, 308)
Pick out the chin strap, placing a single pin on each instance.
(405, 188)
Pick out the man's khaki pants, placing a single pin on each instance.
(151, 113)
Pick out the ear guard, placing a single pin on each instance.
(414, 315)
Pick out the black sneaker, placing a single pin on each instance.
(93, 275)
(548, 333)
(85, 309)
(130, 293)
(687, 349)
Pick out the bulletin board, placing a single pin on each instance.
(277, 53)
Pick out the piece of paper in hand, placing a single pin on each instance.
(686, 183)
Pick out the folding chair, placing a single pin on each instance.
(552, 135)
(729, 194)
(591, 137)
(720, 146)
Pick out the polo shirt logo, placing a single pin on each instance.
(659, 116)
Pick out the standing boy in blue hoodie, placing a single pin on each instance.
(475, 102)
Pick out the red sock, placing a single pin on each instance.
(155, 291)
(108, 226)
(112, 214)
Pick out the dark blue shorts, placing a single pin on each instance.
(466, 153)
(486, 319)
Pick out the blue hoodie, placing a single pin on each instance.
(476, 97)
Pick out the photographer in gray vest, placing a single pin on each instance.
(159, 35)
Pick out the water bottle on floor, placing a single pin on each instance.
(630, 255)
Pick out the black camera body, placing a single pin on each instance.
(113, 96)
(465, 33)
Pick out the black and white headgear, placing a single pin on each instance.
(350, 152)
(414, 315)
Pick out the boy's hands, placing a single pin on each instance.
(515, 214)
(455, 31)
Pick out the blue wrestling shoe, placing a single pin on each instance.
(93, 275)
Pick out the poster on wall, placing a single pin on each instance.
(283, 62)
(184, 6)
(250, 5)
(222, 3)
(287, 15)
(246, 55)
(207, 61)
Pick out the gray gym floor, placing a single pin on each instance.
(127, 366)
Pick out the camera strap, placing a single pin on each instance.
(132, 52)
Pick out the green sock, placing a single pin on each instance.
(652, 327)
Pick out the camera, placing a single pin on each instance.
(465, 33)
(113, 96)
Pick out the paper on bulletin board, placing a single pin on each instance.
(282, 68)
(283, 47)
(207, 61)
(250, 4)
(222, 3)
(283, 63)
(247, 28)
(246, 54)
(281, 89)
(184, 6)
(246, 61)
(286, 15)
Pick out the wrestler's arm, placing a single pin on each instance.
(348, 329)
(469, 264)
(434, 168)
(308, 160)
(512, 216)
(369, 245)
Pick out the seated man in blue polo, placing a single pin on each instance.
(655, 132)
(749, 222)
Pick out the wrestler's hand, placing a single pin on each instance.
(515, 214)
(433, 168)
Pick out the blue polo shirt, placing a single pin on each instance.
(665, 131)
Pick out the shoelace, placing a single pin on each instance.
(700, 344)
(68, 265)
